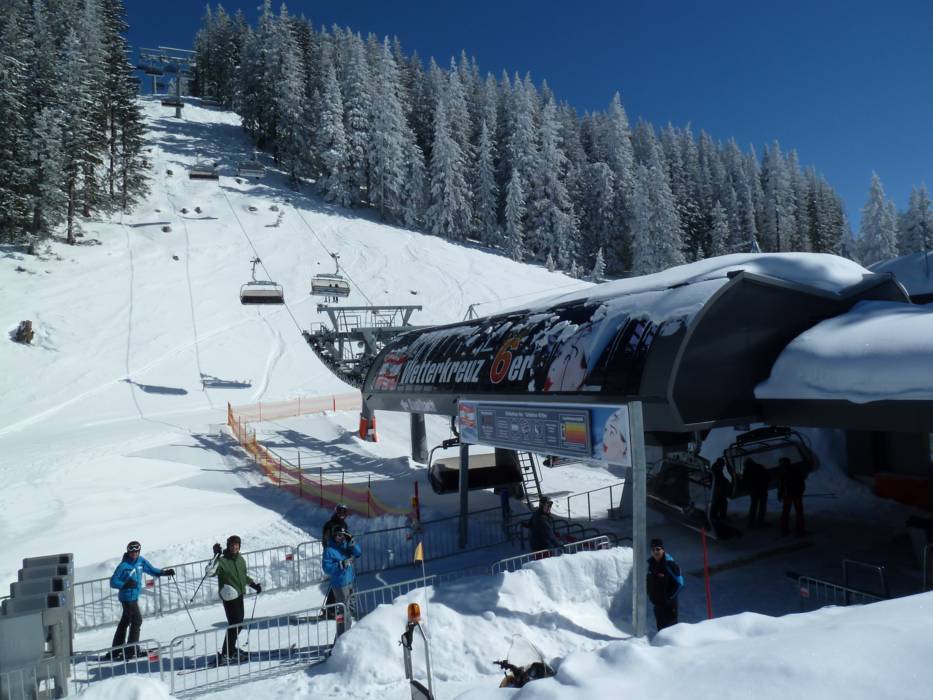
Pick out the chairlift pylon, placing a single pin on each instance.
(261, 291)
(332, 286)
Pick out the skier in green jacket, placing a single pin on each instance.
(230, 569)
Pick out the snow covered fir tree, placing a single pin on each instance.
(71, 143)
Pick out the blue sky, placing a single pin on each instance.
(847, 84)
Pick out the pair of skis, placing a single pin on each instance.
(211, 662)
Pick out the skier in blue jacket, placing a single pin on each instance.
(337, 562)
(664, 585)
(128, 578)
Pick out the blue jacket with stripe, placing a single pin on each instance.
(664, 581)
(127, 570)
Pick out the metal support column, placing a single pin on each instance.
(419, 439)
(639, 518)
(464, 493)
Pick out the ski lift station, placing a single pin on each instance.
(731, 341)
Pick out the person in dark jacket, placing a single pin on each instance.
(664, 585)
(230, 569)
(791, 487)
(755, 479)
(128, 578)
(337, 562)
(543, 535)
(337, 520)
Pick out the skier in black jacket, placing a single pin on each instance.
(338, 521)
(543, 535)
(664, 585)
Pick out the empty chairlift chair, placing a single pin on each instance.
(250, 168)
(203, 171)
(334, 286)
(261, 291)
(485, 471)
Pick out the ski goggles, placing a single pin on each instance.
(133, 547)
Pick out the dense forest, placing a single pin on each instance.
(503, 161)
(72, 137)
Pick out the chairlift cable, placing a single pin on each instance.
(328, 251)
(258, 258)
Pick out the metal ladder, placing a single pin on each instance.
(531, 483)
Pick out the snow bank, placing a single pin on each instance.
(681, 291)
(127, 688)
(565, 604)
(878, 351)
(876, 651)
(913, 271)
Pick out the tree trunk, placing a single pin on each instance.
(72, 197)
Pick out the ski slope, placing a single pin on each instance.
(107, 434)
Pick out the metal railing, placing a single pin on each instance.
(815, 593)
(601, 500)
(925, 563)
(34, 682)
(96, 603)
(99, 665)
(274, 645)
(875, 571)
(517, 562)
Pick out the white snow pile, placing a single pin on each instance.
(870, 652)
(680, 292)
(128, 688)
(913, 271)
(877, 351)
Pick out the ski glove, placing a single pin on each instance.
(217, 548)
(167, 572)
(345, 564)
(130, 583)
(256, 587)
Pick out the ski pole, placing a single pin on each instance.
(180, 595)
(216, 557)
(252, 616)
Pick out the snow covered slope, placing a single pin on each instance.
(104, 423)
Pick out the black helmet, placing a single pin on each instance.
(133, 546)
(341, 531)
(545, 501)
(340, 507)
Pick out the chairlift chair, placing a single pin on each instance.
(172, 101)
(203, 171)
(332, 286)
(261, 291)
(485, 471)
(250, 168)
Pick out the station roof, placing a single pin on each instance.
(691, 342)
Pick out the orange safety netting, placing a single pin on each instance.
(326, 492)
(301, 406)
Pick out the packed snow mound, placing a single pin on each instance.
(913, 271)
(679, 292)
(128, 688)
(876, 651)
(563, 604)
(877, 351)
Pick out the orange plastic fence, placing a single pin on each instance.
(323, 491)
(301, 406)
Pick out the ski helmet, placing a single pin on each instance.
(133, 546)
(545, 501)
(340, 507)
(229, 593)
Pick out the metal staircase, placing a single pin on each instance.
(531, 482)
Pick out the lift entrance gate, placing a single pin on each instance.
(612, 434)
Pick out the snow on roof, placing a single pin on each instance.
(879, 350)
(913, 271)
(679, 292)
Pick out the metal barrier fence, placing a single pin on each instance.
(876, 577)
(517, 562)
(92, 666)
(286, 566)
(96, 603)
(604, 500)
(32, 682)
(275, 645)
(815, 593)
